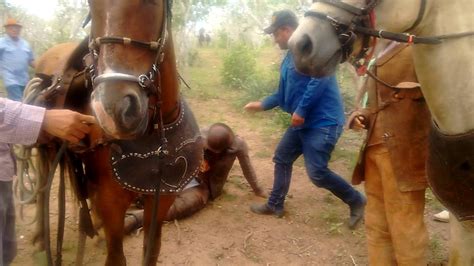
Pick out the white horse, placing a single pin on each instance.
(444, 60)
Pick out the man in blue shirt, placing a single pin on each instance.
(15, 57)
(316, 125)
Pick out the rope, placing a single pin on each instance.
(26, 184)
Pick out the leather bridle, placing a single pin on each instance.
(346, 32)
(363, 23)
(146, 80)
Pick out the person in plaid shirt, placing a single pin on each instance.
(22, 124)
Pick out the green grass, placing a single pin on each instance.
(432, 202)
(436, 249)
(228, 197)
(332, 219)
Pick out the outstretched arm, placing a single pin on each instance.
(66, 124)
(21, 123)
(247, 168)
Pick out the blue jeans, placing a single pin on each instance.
(15, 92)
(316, 145)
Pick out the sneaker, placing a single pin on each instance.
(266, 210)
(442, 216)
(357, 213)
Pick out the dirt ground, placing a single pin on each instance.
(312, 232)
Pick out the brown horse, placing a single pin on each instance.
(147, 141)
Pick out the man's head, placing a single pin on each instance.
(219, 138)
(284, 23)
(12, 28)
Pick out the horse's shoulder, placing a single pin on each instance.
(53, 60)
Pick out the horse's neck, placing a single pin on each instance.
(445, 71)
(169, 84)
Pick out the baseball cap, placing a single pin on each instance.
(11, 22)
(282, 18)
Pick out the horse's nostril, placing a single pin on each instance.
(129, 110)
(305, 45)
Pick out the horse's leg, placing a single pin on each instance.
(461, 246)
(110, 203)
(165, 203)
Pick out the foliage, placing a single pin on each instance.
(193, 57)
(68, 21)
(240, 72)
(348, 85)
(43, 34)
(223, 39)
(239, 67)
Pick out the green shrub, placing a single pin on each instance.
(239, 66)
(223, 39)
(193, 57)
(240, 72)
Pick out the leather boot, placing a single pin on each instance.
(357, 212)
(266, 210)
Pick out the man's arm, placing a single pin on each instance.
(21, 123)
(266, 104)
(247, 168)
(313, 92)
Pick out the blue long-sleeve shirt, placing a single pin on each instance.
(15, 58)
(318, 101)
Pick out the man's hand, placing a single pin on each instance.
(358, 120)
(67, 124)
(253, 107)
(296, 120)
(358, 123)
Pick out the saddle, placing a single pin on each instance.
(71, 82)
(451, 171)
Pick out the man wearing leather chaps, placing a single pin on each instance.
(392, 160)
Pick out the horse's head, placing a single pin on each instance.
(127, 45)
(326, 36)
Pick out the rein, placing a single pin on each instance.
(363, 14)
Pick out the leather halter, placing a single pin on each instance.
(357, 25)
(346, 31)
(145, 80)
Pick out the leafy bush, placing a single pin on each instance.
(223, 39)
(239, 66)
(240, 72)
(193, 57)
